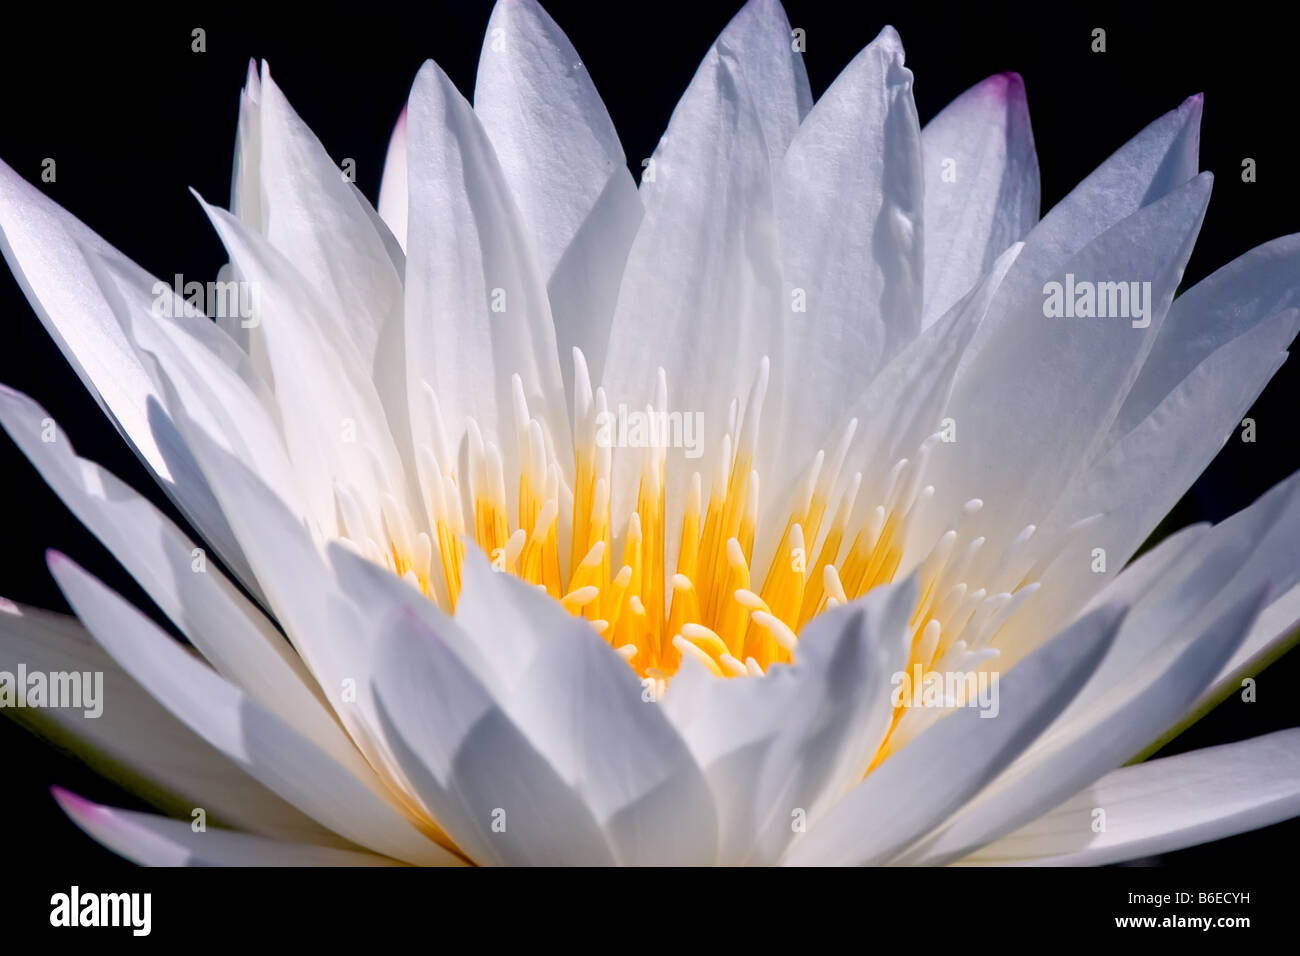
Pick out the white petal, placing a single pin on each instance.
(1274, 633)
(903, 405)
(384, 593)
(44, 247)
(1146, 169)
(981, 186)
(1141, 575)
(586, 711)
(499, 659)
(476, 308)
(794, 741)
(1238, 297)
(931, 777)
(151, 840)
(246, 204)
(456, 790)
(246, 183)
(552, 135)
(393, 197)
(254, 738)
(1217, 348)
(319, 219)
(1076, 369)
(1150, 166)
(322, 623)
(1176, 441)
(1203, 575)
(701, 295)
(849, 220)
(1079, 748)
(1257, 545)
(134, 741)
(227, 629)
(327, 395)
(895, 412)
(760, 38)
(202, 370)
(1164, 805)
(562, 159)
(497, 796)
(583, 287)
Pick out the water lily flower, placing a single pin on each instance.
(548, 519)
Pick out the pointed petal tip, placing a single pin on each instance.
(66, 797)
(431, 77)
(77, 807)
(1192, 108)
(1009, 87)
(766, 8)
(889, 37)
(502, 11)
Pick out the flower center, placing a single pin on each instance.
(715, 605)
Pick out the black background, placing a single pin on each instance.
(133, 117)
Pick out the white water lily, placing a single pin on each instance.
(675, 667)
